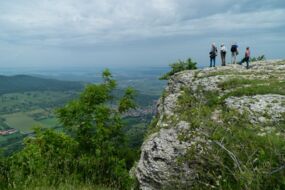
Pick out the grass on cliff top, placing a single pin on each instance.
(237, 82)
(244, 87)
(233, 153)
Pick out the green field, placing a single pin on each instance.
(24, 122)
(25, 110)
(49, 122)
(25, 101)
(20, 121)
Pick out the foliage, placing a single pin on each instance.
(259, 58)
(94, 152)
(46, 158)
(127, 102)
(179, 66)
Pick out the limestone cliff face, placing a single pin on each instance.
(158, 167)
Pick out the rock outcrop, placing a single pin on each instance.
(159, 166)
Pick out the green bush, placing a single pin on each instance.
(47, 159)
(179, 66)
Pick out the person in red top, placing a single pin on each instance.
(246, 57)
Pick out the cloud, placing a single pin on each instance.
(134, 31)
(91, 22)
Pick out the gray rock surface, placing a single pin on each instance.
(158, 167)
(261, 108)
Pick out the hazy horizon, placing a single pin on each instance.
(51, 34)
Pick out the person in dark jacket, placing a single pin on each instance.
(213, 54)
(246, 58)
(223, 54)
(234, 50)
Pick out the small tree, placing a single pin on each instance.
(179, 66)
(259, 58)
(97, 127)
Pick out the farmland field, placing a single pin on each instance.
(25, 110)
(20, 121)
(49, 122)
(24, 122)
(24, 101)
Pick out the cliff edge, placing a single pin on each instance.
(217, 128)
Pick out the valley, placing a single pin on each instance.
(27, 102)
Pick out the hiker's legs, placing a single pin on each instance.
(223, 57)
(247, 63)
(234, 57)
(241, 62)
(212, 61)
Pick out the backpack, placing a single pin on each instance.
(234, 48)
(213, 52)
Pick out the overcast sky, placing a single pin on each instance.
(108, 33)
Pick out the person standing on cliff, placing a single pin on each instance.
(213, 55)
(234, 50)
(246, 57)
(223, 54)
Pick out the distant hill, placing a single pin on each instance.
(23, 83)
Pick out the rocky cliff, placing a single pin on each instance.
(212, 127)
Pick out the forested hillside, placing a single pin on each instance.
(23, 83)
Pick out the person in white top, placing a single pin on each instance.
(223, 54)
